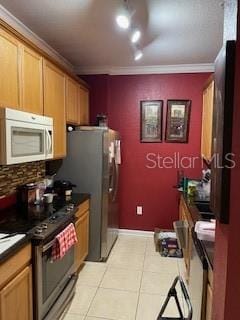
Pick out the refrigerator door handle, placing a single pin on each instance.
(116, 176)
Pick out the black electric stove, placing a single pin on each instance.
(54, 281)
(40, 221)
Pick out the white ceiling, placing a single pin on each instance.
(84, 31)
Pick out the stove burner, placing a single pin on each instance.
(69, 207)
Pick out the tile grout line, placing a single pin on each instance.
(130, 291)
(139, 291)
(102, 288)
(98, 318)
(98, 287)
(182, 296)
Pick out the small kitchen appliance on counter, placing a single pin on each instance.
(102, 120)
(63, 187)
(27, 193)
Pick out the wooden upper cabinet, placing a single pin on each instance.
(83, 108)
(32, 81)
(207, 121)
(71, 101)
(10, 71)
(54, 105)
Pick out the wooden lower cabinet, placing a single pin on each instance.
(209, 298)
(82, 230)
(16, 286)
(209, 303)
(16, 297)
(185, 216)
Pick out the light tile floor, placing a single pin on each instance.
(131, 285)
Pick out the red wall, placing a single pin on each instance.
(151, 188)
(99, 95)
(226, 292)
(231, 237)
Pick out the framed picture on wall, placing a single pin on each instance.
(151, 120)
(177, 124)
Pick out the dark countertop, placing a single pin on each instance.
(15, 248)
(12, 220)
(208, 246)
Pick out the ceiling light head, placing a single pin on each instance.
(123, 20)
(138, 55)
(135, 36)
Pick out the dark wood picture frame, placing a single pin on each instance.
(178, 119)
(151, 120)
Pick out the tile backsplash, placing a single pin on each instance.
(17, 174)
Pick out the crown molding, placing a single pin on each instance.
(7, 18)
(158, 69)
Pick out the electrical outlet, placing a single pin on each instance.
(139, 210)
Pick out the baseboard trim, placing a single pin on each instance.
(139, 233)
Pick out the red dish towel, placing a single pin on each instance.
(64, 241)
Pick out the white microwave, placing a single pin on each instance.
(25, 137)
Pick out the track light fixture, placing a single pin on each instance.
(123, 19)
(138, 55)
(135, 36)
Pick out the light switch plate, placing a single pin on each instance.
(139, 210)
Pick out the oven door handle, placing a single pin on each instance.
(51, 243)
(48, 245)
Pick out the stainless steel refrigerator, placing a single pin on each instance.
(92, 165)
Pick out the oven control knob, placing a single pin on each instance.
(44, 226)
(69, 207)
(38, 230)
